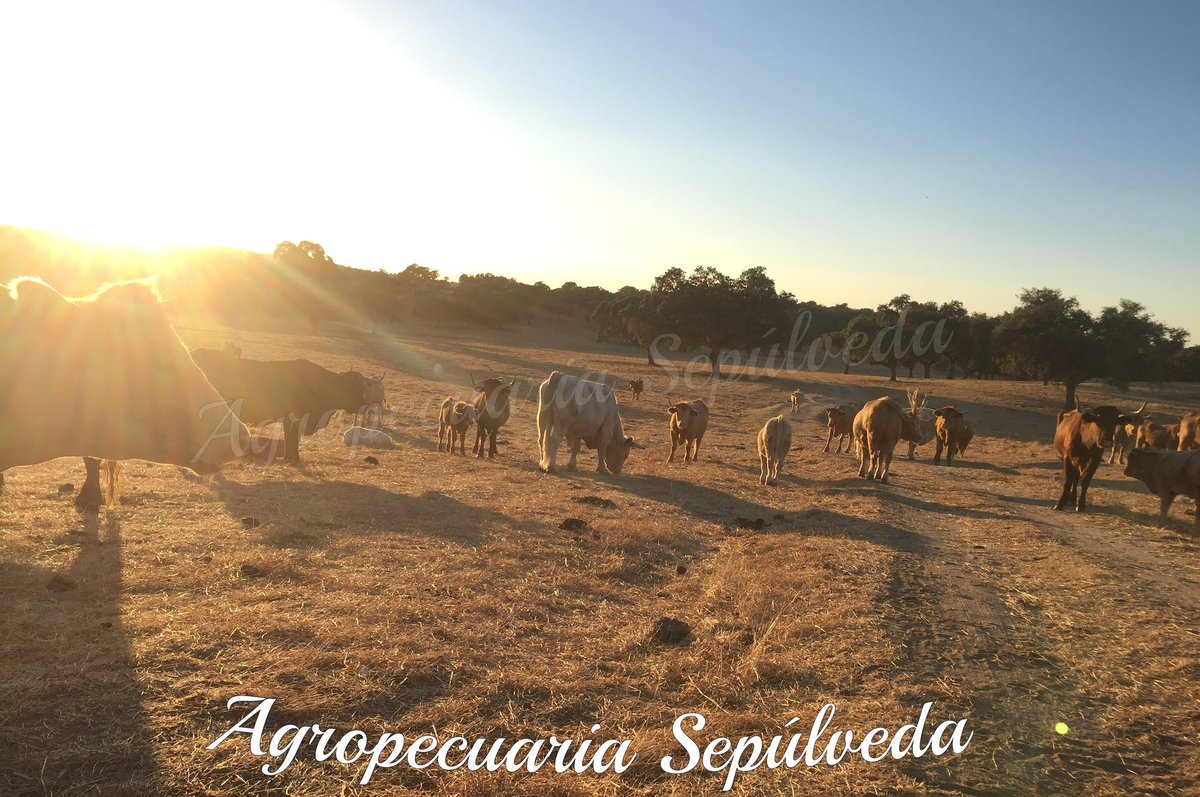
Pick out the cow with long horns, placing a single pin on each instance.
(1080, 440)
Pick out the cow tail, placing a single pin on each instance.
(545, 402)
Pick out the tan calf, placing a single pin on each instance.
(840, 425)
(454, 422)
(774, 442)
(689, 421)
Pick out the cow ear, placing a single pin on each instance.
(670, 410)
(937, 412)
(631, 443)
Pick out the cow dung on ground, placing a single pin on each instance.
(574, 524)
(66, 488)
(594, 500)
(670, 631)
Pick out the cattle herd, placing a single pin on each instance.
(148, 398)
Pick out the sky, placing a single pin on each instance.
(857, 150)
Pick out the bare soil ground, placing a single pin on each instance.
(433, 593)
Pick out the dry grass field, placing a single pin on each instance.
(433, 593)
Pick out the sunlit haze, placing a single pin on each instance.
(856, 150)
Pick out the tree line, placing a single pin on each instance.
(1046, 336)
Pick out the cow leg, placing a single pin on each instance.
(1081, 504)
(829, 440)
(912, 450)
(950, 452)
(573, 448)
(1069, 476)
(462, 441)
(480, 434)
(762, 468)
(860, 446)
(291, 439)
(1164, 505)
(937, 455)
(90, 495)
(843, 439)
(886, 457)
(696, 448)
(675, 445)
(550, 445)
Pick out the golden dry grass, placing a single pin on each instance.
(433, 593)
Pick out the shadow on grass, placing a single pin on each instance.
(309, 513)
(72, 706)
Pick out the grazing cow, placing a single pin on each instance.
(1151, 435)
(841, 424)
(795, 398)
(300, 394)
(1189, 432)
(878, 427)
(689, 421)
(637, 386)
(453, 423)
(951, 429)
(491, 412)
(774, 443)
(580, 411)
(926, 425)
(112, 374)
(1167, 474)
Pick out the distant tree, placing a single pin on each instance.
(957, 325)
(1050, 337)
(308, 279)
(1186, 365)
(981, 352)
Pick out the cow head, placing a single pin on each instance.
(497, 391)
(118, 380)
(637, 385)
(910, 428)
(1108, 418)
(617, 452)
(682, 414)
(835, 414)
(952, 421)
(1140, 464)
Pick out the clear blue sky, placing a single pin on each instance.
(856, 150)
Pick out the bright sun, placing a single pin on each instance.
(245, 123)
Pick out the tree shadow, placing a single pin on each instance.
(71, 703)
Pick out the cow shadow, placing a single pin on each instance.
(73, 710)
(312, 513)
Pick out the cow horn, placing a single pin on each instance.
(1077, 407)
(1138, 411)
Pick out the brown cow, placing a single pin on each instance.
(1079, 443)
(774, 443)
(300, 394)
(491, 412)
(794, 399)
(637, 386)
(111, 371)
(1189, 432)
(1167, 474)
(951, 429)
(454, 422)
(878, 427)
(689, 421)
(840, 425)
(1151, 435)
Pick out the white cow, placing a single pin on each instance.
(581, 411)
